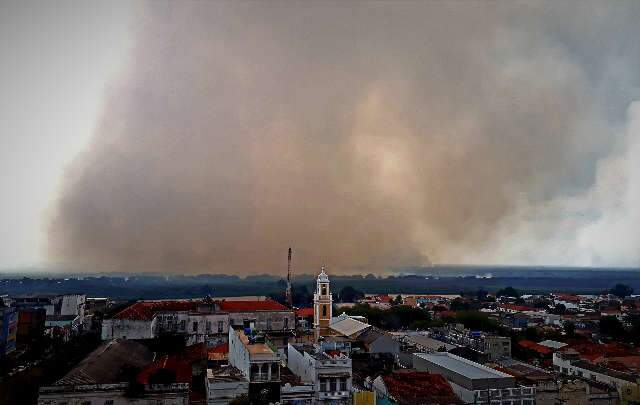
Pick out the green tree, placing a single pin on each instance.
(569, 328)
(611, 326)
(508, 292)
(621, 290)
(350, 294)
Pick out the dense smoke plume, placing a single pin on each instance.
(365, 135)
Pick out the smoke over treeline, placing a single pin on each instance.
(365, 135)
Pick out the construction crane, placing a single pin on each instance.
(287, 293)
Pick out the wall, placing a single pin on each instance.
(127, 328)
(221, 392)
(238, 354)
(301, 364)
(174, 394)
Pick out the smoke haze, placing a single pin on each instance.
(366, 135)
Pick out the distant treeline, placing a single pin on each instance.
(157, 287)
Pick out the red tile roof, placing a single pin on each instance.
(223, 348)
(514, 307)
(593, 352)
(420, 388)
(247, 306)
(304, 312)
(531, 345)
(567, 297)
(181, 369)
(144, 310)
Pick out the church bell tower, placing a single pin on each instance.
(322, 304)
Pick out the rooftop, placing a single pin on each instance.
(225, 374)
(419, 387)
(346, 325)
(462, 366)
(103, 365)
(256, 349)
(428, 342)
(145, 310)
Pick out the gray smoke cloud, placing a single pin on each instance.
(366, 135)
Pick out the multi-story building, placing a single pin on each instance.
(205, 320)
(8, 330)
(495, 347)
(473, 382)
(65, 314)
(30, 324)
(224, 384)
(569, 363)
(330, 372)
(259, 362)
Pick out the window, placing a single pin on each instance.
(324, 289)
(343, 384)
(268, 324)
(108, 402)
(195, 326)
(324, 310)
(183, 325)
(208, 326)
(86, 402)
(220, 326)
(323, 385)
(332, 384)
(286, 323)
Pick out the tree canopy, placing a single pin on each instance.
(621, 290)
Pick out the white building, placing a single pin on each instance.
(569, 363)
(330, 372)
(473, 382)
(258, 361)
(225, 384)
(199, 320)
(59, 305)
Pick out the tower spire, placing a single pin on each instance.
(288, 296)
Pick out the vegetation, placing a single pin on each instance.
(508, 292)
(611, 326)
(621, 290)
(394, 318)
(350, 294)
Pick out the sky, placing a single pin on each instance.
(193, 137)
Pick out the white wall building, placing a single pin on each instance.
(225, 384)
(329, 372)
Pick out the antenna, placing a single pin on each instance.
(288, 296)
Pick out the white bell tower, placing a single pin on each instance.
(322, 304)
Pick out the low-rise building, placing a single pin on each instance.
(414, 387)
(473, 382)
(30, 324)
(224, 384)
(101, 379)
(330, 372)
(8, 330)
(60, 305)
(258, 361)
(200, 321)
